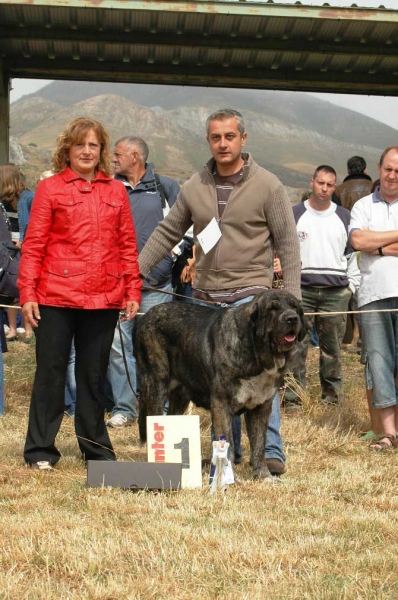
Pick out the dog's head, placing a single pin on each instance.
(277, 320)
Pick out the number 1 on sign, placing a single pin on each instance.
(184, 447)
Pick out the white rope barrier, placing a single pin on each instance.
(350, 312)
(307, 314)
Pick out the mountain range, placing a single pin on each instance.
(289, 133)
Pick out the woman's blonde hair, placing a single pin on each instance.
(75, 133)
(11, 184)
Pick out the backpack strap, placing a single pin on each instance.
(161, 190)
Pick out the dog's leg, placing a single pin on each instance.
(153, 397)
(222, 421)
(154, 373)
(256, 424)
(179, 400)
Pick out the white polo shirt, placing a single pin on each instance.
(379, 273)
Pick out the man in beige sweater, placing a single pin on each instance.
(241, 216)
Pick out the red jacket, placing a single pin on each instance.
(80, 247)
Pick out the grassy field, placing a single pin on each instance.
(328, 530)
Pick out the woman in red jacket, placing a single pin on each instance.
(78, 269)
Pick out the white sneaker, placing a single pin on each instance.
(42, 465)
(118, 420)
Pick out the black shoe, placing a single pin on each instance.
(333, 400)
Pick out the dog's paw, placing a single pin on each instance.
(262, 473)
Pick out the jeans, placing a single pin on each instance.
(314, 338)
(125, 399)
(274, 444)
(331, 332)
(70, 385)
(380, 336)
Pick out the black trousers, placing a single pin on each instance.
(93, 332)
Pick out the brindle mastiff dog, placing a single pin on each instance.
(225, 360)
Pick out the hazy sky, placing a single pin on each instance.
(383, 109)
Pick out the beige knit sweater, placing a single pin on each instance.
(257, 221)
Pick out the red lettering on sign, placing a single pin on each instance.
(158, 447)
(159, 436)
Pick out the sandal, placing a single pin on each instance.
(381, 446)
(13, 338)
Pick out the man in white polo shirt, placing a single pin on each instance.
(374, 231)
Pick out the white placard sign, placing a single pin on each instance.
(176, 439)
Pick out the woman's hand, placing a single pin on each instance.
(132, 309)
(31, 313)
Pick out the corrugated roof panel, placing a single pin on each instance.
(15, 50)
(121, 20)
(295, 39)
(61, 50)
(139, 53)
(260, 28)
(289, 59)
(352, 31)
(382, 32)
(368, 65)
(163, 54)
(113, 52)
(303, 28)
(141, 20)
(13, 14)
(365, 64)
(167, 21)
(193, 22)
(38, 48)
(387, 65)
(339, 62)
(58, 17)
(188, 55)
(113, 20)
(89, 17)
(264, 59)
(275, 27)
(247, 26)
(329, 29)
(88, 49)
(238, 57)
(213, 57)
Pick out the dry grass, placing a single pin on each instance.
(328, 531)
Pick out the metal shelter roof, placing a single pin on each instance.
(207, 43)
